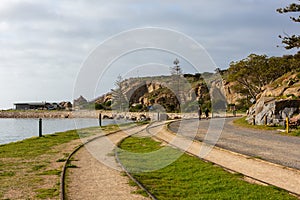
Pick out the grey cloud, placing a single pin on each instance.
(53, 37)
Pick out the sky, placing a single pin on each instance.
(44, 45)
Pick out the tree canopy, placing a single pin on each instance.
(256, 71)
(292, 41)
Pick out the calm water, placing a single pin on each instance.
(12, 130)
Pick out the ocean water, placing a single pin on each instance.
(12, 130)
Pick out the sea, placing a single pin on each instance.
(16, 129)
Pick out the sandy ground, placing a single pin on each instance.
(98, 176)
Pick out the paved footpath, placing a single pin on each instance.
(97, 175)
(274, 174)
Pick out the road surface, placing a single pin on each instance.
(267, 145)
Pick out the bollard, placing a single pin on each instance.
(266, 120)
(40, 128)
(254, 120)
(287, 124)
(100, 119)
(158, 116)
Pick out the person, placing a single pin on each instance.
(206, 112)
(199, 113)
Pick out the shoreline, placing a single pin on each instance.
(36, 114)
(94, 114)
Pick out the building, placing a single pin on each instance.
(44, 106)
(30, 106)
(80, 103)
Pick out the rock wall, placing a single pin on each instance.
(271, 111)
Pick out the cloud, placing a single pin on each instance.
(44, 43)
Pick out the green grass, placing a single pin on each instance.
(190, 178)
(46, 193)
(36, 146)
(243, 123)
(295, 133)
(27, 166)
(8, 173)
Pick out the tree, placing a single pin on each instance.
(250, 74)
(119, 98)
(176, 86)
(176, 69)
(256, 71)
(294, 40)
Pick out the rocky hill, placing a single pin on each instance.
(173, 94)
(287, 86)
(170, 93)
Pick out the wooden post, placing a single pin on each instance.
(100, 119)
(40, 128)
(266, 120)
(287, 124)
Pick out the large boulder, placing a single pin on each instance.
(272, 111)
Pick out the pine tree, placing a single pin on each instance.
(119, 99)
(294, 40)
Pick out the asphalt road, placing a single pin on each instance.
(266, 145)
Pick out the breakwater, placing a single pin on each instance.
(36, 114)
(95, 114)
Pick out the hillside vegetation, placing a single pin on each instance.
(258, 74)
(241, 85)
(166, 93)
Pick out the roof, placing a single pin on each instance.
(32, 103)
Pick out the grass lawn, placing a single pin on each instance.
(30, 169)
(189, 177)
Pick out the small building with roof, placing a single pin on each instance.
(31, 106)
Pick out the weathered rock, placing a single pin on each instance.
(66, 105)
(271, 111)
(292, 91)
(269, 105)
(273, 92)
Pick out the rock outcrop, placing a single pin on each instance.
(159, 90)
(269, 111)
(279, 100)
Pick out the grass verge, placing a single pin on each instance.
(30, 169)
(243, 123)
(190, 178)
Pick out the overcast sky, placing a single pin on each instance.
(44, 43)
